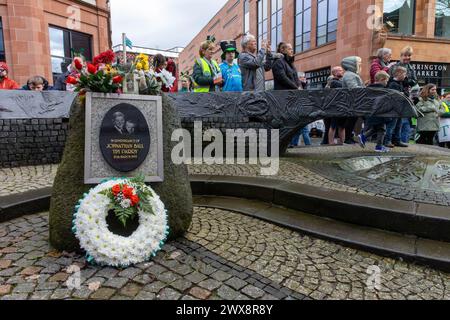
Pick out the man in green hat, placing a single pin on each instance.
(231, 72)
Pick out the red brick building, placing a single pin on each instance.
(40, 37)
(323, 32)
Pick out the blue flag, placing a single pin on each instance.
(128, 43)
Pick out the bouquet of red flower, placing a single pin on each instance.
(128, 199)
(100, 76)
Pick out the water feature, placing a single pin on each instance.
(421, 172)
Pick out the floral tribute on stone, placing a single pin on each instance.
(127, 198)
(99, 76)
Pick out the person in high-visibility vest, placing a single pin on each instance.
(207, 75)
(446, 105)
(444, 113)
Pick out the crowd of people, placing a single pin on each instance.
(246, 71)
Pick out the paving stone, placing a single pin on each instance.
(154, 287)
(82, 293)
(30, 271)
(48, 286)
(168, 277)
(4, 264)
(24, 288)
(144, 295)
(61, 294)
(195, 277)
(227, 293)
(236, 283)
(144, 279)
(15, 297)
(120, 298)
(103, 294)
(5, 289)
(129, 273)
(59, 277)
(168, 294)
(181, 285)
(200, 293)
(253, 292)
(107, 273)
(41, 295)
(221, 276)
(131, 290)
(116, 283)
(210, 284)
(189, 298)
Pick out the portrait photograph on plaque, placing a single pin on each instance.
(123, 137)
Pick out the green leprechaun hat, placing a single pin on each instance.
(228, 46)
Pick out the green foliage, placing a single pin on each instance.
(126, 214)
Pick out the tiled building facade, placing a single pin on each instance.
(323, 32)
(40, 37)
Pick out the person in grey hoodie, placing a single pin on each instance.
(253, 65)
(351, 80)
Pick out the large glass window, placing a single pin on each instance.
(246, 16)
(442, 18)
(327, 18)
(302, 25)
(276, 23)
(2, 43)
(401, 14)
(262, 21)
(64, 45)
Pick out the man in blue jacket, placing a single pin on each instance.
(231, 72)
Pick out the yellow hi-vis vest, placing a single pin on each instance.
(446, 107)
(206, 72)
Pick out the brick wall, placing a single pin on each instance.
(26, 32)
(354, 36)
(32, 141)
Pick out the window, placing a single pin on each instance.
(401, 13)
(276, 23)
(302, 25)
(2, 43)
(327, 17)
(262, 22)
(246, 16)
(442, 19)
(64, 44)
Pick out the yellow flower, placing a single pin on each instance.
(139, 66)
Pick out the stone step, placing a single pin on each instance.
(394, 245)
(406, 217)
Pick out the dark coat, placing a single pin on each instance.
(60, 84)
(398, 86)
(285, 76)
(47, 87)
(336, 84)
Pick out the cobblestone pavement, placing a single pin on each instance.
(23, 179)
(224, 256)
(300, 166)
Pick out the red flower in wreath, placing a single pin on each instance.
(91, 68)
(116, 190)
(78, 64)
(117, 79)
(128, 192)
(134, 200)
(71, 80)
(106, 57)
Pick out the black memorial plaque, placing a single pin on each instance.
(124, 138)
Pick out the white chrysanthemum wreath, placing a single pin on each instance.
(127, 197)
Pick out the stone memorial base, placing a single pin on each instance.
(69, 185)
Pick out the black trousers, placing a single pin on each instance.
(427, 137)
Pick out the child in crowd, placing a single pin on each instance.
(376, 125)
